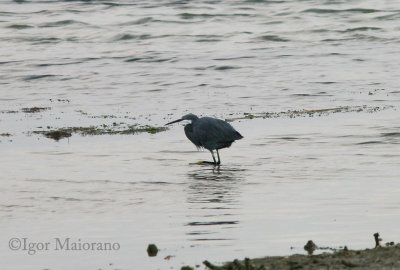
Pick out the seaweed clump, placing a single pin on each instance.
(310, 113)
(57, 134)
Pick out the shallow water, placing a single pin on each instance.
(331, 178)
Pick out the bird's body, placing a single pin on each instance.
(209, 133)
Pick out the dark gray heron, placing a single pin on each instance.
(209, 133)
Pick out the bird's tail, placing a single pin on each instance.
(238, 136)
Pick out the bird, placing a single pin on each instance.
(209, 133)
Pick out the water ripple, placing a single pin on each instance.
(20, 26)
(351, 10)
(37, 77)
(273, 38)
(62, 23)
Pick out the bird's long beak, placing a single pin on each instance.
(173, 122)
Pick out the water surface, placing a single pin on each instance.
(331, 178)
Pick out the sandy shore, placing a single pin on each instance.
(382, 258)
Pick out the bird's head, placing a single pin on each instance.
(190, 117)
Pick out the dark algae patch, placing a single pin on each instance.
(57, 134)
(115, 129)
(35, 109)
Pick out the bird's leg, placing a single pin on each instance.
(212, 162)
(212, 153)
(219, 159)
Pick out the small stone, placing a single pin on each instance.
(187, 268)
(152, 250)
(310, 247)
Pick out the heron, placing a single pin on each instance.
(209, 133)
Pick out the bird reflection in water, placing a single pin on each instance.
(213, 196)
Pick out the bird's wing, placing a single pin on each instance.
(192, 136)
(215, 130)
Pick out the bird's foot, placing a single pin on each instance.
(210, 162)
(202, 162)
